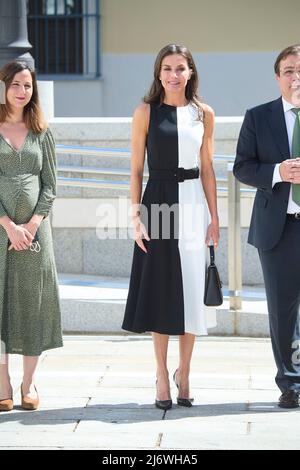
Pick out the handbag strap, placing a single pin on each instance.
(212, 254)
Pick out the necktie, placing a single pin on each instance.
(296, 153)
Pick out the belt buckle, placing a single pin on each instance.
(179, 173)
(297, 215)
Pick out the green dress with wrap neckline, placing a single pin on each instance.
(30, 318)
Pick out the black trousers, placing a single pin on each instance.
(281, 271)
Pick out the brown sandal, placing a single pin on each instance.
(7, 404)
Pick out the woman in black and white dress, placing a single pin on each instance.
(172, 226)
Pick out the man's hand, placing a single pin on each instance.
(290, 170)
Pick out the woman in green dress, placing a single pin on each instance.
(29, 300)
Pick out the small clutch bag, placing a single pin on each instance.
(213, 295)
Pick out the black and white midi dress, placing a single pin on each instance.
(167, 283)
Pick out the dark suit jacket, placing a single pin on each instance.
(263, 142)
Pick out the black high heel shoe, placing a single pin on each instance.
(187, 402)
(163, 404)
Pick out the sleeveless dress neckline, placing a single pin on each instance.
(177, 107)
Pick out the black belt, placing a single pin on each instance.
(178, 174)
(294, 216)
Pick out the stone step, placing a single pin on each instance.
(95, 304)
(101, 160)
(109, 160)
(104, 182)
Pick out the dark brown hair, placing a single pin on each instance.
(33, 116)
(156, 93)
(290, 50)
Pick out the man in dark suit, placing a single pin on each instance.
(268, 158)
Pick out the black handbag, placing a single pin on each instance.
(213, 295)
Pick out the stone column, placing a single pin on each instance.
(13, 32)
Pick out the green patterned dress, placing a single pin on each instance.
(30, 320)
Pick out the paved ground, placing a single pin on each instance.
(98, 391)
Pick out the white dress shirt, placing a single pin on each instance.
(290, 118)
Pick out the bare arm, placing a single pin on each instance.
(208, 175)
(138, 145)
(140, 123)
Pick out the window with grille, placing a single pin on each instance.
(65, 35)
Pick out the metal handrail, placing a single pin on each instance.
(111, 184)
(93, 183)
(101, 151)
(88, 150)
(113, 152)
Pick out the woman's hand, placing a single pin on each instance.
(31, 227)
(33, 224)
(19, 236)
(139, 233)
(213, 233)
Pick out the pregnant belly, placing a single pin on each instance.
(19, 196)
